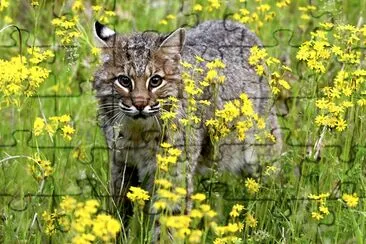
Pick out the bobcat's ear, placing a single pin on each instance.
(173, 44)
(103, 33)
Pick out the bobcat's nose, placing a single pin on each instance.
(140, 103)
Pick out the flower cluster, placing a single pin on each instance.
(210, 71)
(194, 226)
(103, 15)
(138, 195)
(316, 52)
(66, 29)
(283, 3)
(256, 14)
(50, 126)
(169, 113)
(351, 200)
(167, 19)
(82, 220)
(4, 4)
(252, 186)
(197, 7)
(237, 115)
(260, 59)
(305, 15)
(78, 6)
(213, 5)
(229, 233)
(270, 170)
(348, 84)
(258, 17)
(322, 209)
(320, 49)
(183, 226)
(80, 153)
(168, 198)
(40, 168)
(168, 157)
(22, 75)
(50, 220)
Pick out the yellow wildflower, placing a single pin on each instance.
(38, 126)
(34, 3)
(165, 145)
(199, 197)
(316, 215)
(197, 7)
(205, 207)
(4, 4)
(214, 5)
(77, 6)
(68, 204)
(174, 152)
(181, 191)
(160, 205)
(164, 183)
(236, 209)
(195, 213)
(195, 236)
(250, 220)
(68, 131)
(83, 239)
(170, 17)
(138, 195)
(177, 222)
(50, 223)
(66, 29)
(64, 118)
(323, 209)
(252, 186)
(95, 51)
(350, 199)
(163, 22)
(105, 227)
(270, 169)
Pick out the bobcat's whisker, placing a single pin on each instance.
(106, 110)
(114, 121)
(110, 111)
(111, 119)
(110, 103)
(107, 113)
(118, 119)
(109, 106)
(121, 118)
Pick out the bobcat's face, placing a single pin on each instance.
(137, 71)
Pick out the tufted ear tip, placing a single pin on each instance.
(174, 42)
(102, 32)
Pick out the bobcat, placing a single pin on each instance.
(141, 68)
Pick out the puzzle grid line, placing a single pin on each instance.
(286, 132)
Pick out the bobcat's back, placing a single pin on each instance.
(231, 43)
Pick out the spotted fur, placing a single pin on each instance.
(134, 137)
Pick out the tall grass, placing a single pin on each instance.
(282, 207)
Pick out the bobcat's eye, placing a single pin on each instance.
(155, 81)
(124, 81)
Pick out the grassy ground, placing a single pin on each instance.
(282, 207)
